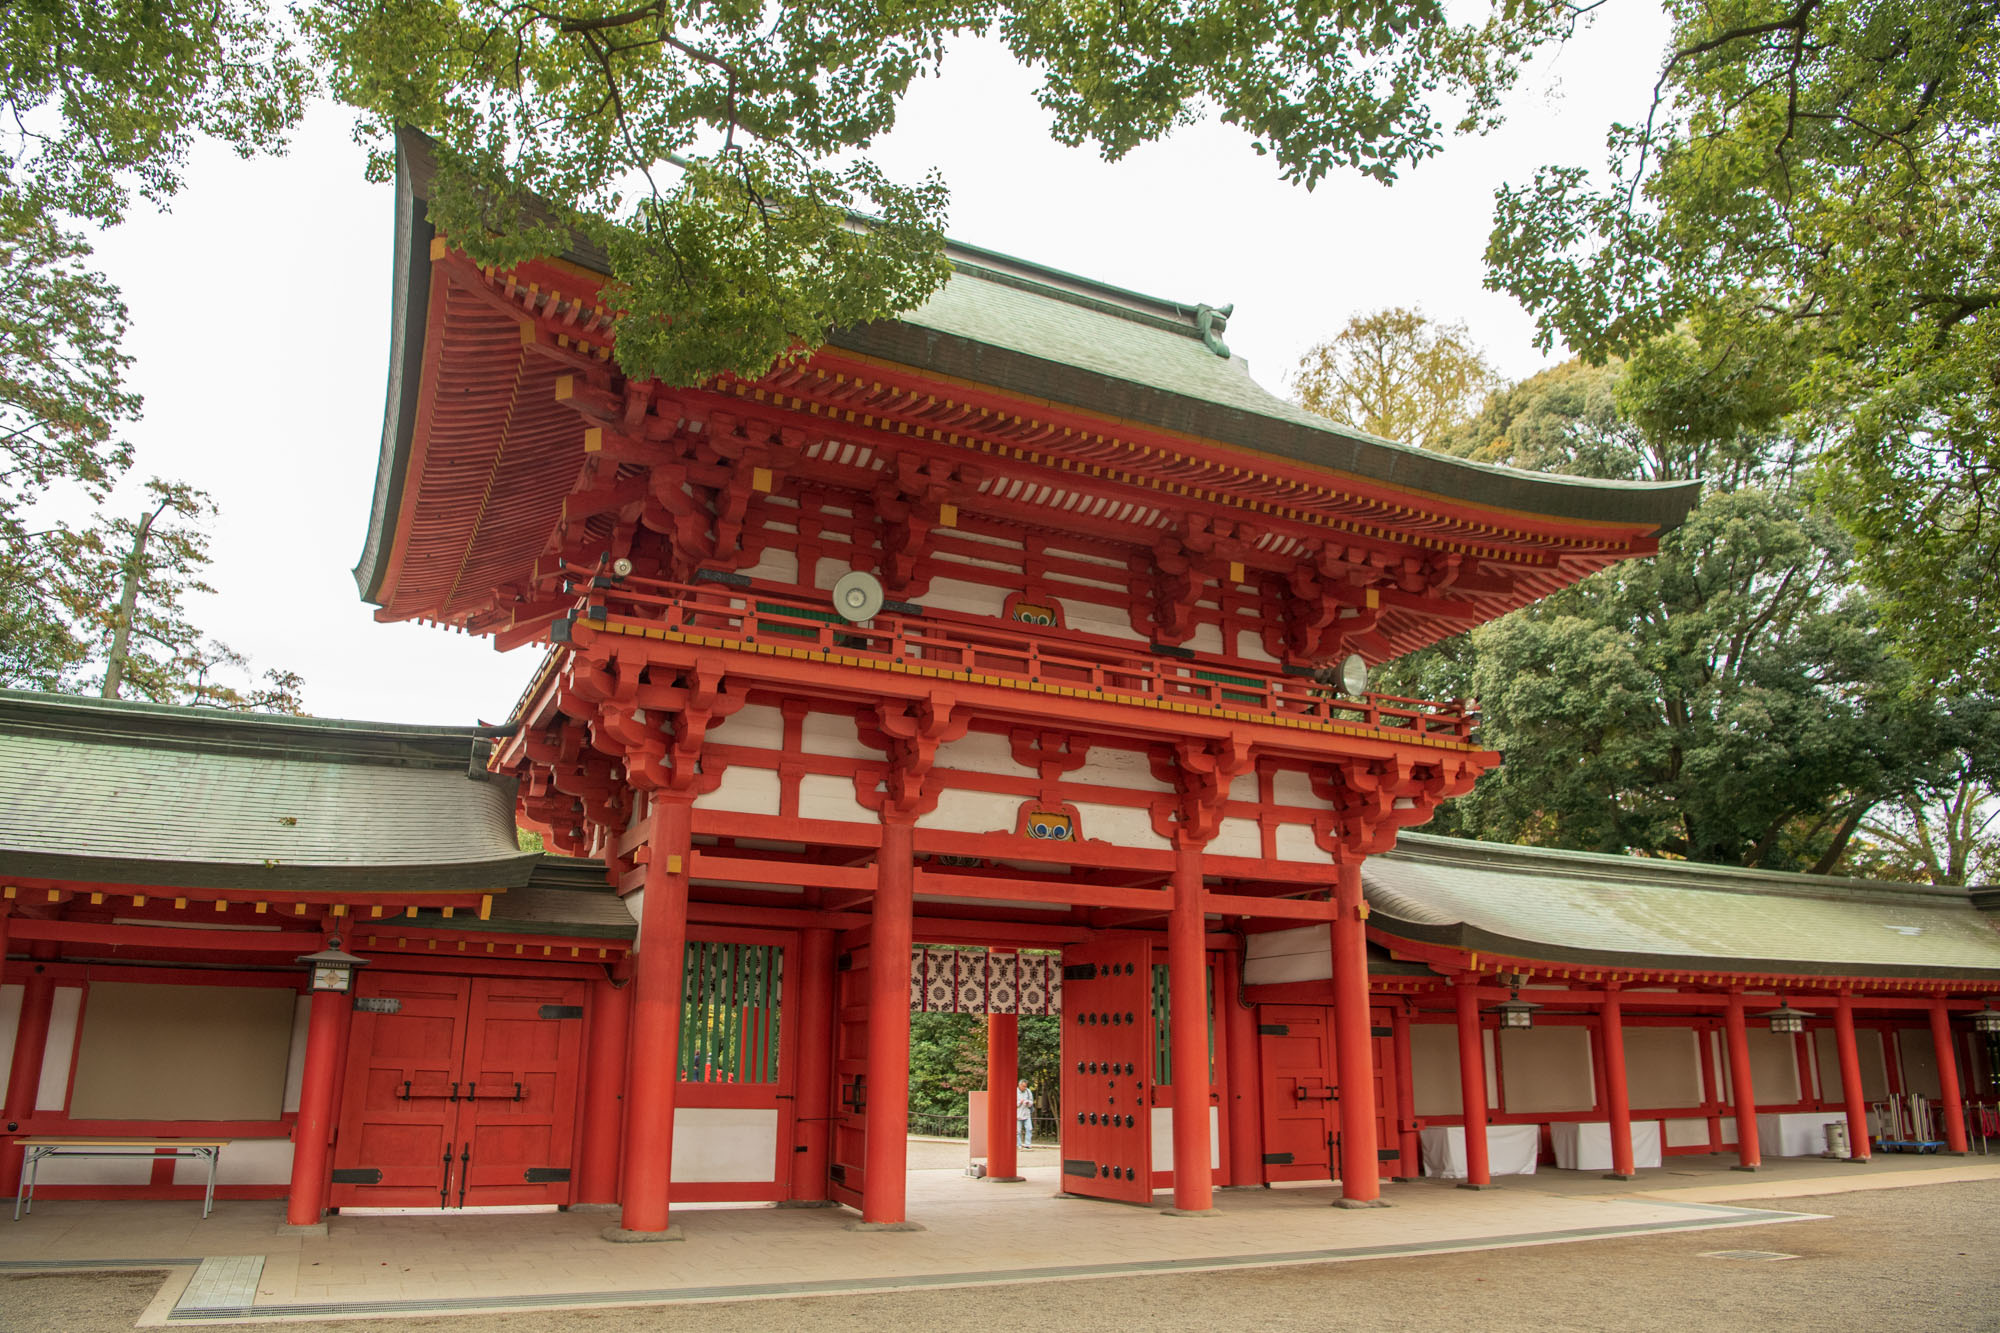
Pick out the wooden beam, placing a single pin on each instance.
(755, 870)
(1290, 909)
(1032, 890)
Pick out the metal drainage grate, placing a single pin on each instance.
(1759, 1255)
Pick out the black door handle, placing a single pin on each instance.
(406, 1090)
(517, 1092)
(454, 1092)
(444, 1190)
(472, 1092)
(464, 1170)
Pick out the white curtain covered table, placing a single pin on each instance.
(1794, 1133)
(1586, 1145)
(1511, 1150)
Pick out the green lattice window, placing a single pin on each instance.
(795, 613)
(729, 1013)
(1163, 1026)
(1218, 678)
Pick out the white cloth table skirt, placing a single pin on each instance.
(1511, 1150)
(1795, 1133)
(1586, 1145)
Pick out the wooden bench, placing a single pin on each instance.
(34, 1149)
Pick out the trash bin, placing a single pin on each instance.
(1836, 1139)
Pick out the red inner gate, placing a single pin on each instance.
(1107, 1053)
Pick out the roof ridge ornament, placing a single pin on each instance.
(1209, 322)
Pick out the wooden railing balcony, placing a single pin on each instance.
(757, 621)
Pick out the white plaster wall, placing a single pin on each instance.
(833, 734)
(243, 1162)
(962, 811)
(828, 569)
(1295, 842)
(725, 1143)
(1101, 618)
(975, 599)
(10, 1023)
(775, 564)
(823, 796)
(1237, 837)
(1692, 1133)
(986, 539)
(53, 1092)
(1868, 1050)
(945, 558)
(1123, 825)
(1548, 1069)
(136, 1169)
(744, 790)
(1243, 787)
(1250, 644)
(982, 752)
(1207, 638)
(758, 726)
(1774, 1068)
(1920, 1071)
(1303, 953)
(1125, 769)
(1110, 563)
(1289, 786)
(1162, 1122)
(295, 1058)
(1434, 1068)
(1662, 1067)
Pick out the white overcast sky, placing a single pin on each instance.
(260, 307)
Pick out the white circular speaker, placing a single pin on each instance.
(1354, 675)
(857, 596)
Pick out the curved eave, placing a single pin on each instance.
(1341, 454)
(330, 881)
(1474, 939)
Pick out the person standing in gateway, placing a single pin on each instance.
(1024, 1113)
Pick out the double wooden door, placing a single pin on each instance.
(1303, 1100)
(460, 1091)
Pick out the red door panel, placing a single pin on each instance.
(1301, 1109)
(400, 1111)
(849, 1141)
(517, 1122)
(1107, 1053)
(1388, 1106)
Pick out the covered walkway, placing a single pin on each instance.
(239, 1266)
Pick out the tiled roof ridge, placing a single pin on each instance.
(213, 730)
(1425, 848)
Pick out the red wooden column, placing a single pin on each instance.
(1407, 1142)
(1617, 1102)
(1748, 1154)
(24, 1076)
(653, 1071)
(312, 1133)
(891, 932)
(1241, 1094)
(1850, 1079)
(1187, 1008)
(1951, 1103)
(604, 1082)
(812, 1085)
(1472, 1083)
(1353, 1042)
(1003, 1071)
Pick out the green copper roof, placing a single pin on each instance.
(98, 791)
(1630, 912)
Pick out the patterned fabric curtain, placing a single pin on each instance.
(945, 980)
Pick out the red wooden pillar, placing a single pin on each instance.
(1748, 1154)
(1353, 1042)
(24, 1076)
(1951, 1103)
(1472, 1083)
(1003, 1071)
(603, 1088)
(312, 1133)
(653, 1071)
(1617, 1102)
(1408, 1144)
(813, 1084)
(1241, 1092)
(891, 932)
(1850, 1079)
(1187, 1006)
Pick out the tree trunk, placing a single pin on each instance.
(128, 605)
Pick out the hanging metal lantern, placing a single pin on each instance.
(1785, 1019)
(332, 967)
(1516, 1012)
(1987, 1020)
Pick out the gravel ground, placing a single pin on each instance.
(1922, 1258)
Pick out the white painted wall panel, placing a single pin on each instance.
(757, 726)
(243, 1162)
(1434, 1068)
(823, 796)
(1691, 1133)
(962, 811)
(1291, 787)
(1162, 1121)
(1123, 825)
(134, 1170)
(1126, 769)
(833, 734)
(982, 752)
(1112, 622)
(295, 1057)
(53, 1092)
(1207, 638)
(725, 1143)
(973, 599)
(744, 790)
(1662, 1067)
(1548, 1069)
(1237, 837)
(775, 564)
(10, 1024)
(1295, 842)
